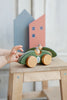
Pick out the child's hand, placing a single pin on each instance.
(14, 55)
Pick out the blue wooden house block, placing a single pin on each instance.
(21, 29)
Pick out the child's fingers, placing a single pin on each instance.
(14, 52)
(18, 48)
(20, 54)
(17, 56)
(21, 49)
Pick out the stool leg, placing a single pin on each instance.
(63, 85)
(44, 84)
(15, 91)
(61, 89)
(9, 87)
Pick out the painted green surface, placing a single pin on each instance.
(23, 58)
(54, 54)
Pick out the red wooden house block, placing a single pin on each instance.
(37, 32)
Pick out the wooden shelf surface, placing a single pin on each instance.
(56, 65)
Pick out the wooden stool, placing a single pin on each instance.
(57, 70)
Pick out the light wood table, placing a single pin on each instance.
(57, 70)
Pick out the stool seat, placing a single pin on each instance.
(56, 64)
(19, 74)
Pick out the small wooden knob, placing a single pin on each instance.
(40, 48)
(31, 61)
(37, 51)
(46, 59)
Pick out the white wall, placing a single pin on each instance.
(24, 4)
(6, 24)
(6, 39)
(37, 8)
(56, 25)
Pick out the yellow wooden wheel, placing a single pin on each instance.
(31, 61)
(46, 59)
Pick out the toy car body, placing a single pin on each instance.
(35, 56)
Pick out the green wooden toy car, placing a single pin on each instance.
(39, 55)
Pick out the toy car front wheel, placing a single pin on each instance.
(46, 59)
(31, 61)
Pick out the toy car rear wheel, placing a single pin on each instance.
(46, 59)
(31, 61)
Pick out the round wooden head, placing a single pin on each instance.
(37, 51)
(39, 47)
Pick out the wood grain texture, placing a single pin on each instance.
(10, 86)
(34, 95)
(64, 85)
(56, 65)
(31, 61)
(15, 87)
(44, 85)
(61, 89)
(50, 94)
(53, 93)
(41, 76)
(46, 59)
